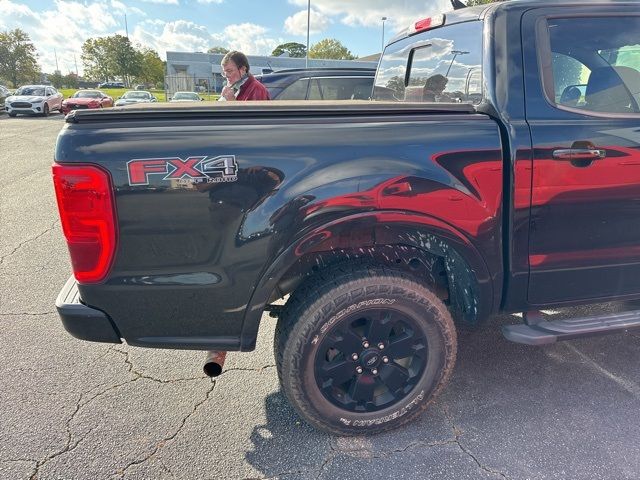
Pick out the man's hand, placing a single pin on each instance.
(228, 94)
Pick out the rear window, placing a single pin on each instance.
(442, 65)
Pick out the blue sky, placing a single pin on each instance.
(252, 26)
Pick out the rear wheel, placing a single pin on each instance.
(12, 114)
(363, 350)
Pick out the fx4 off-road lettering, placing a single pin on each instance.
(223, 168)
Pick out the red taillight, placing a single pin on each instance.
(87, 211)
(426, 24)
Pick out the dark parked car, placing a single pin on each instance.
(112, 85)
(320, 83)
(4, 93)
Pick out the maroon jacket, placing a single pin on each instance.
(252, 89)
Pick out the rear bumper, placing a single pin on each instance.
(81, 321)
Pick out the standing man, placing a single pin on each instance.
(241, 85)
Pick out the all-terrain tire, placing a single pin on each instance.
(363, 349)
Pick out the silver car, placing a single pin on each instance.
(34, 100)
(186, 97)
(135, 96)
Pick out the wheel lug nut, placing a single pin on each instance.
(365, 344)
(354, 356)
(374, 371)
(359, 369)
(385, 360)
(381, 346)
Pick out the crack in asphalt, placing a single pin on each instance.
(139, 375)
(245, 369)
(21, 244)
(457, 432)
(160, 444)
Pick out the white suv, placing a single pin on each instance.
(34, 100)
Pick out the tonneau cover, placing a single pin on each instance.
(158, 111)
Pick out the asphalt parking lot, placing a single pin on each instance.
(76, 410)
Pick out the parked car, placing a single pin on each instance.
(112, 85)
(185, 97)
(34, 100)
(135, 96)
(320, 83)
(86, 99)
(4, 93)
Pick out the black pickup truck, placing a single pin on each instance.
(496, 170)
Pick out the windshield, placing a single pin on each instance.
(87, 94)
(186, 96)
(137, 95)
(31, 91)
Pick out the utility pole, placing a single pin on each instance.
(383, 20)
(55, 54)
(306, 63)
(126, 29)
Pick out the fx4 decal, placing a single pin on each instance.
(201, 169)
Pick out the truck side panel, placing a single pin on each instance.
(189, 252)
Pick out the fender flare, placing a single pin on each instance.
(368, 230)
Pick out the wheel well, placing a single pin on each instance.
(446, 273)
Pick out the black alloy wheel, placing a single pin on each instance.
(363, 349)
(371, 359)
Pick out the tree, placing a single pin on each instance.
(56, 79)
(70, 80)
(218, 50)
(330, 48)
(152, 67)
(107, 58)
(18, 57)
(295, 50)
(95, 54)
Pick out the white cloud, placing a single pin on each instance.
(162, 2)
(297, 24)
(81, 21)
(180, 35)
(249, 38)
(184, 36)
(369, 13)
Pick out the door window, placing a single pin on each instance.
(296, 91)
(594, 63)
(340, 88)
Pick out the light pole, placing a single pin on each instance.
(455, 54)
(383, 20)
(306, 63)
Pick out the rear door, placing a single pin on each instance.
(582, 82)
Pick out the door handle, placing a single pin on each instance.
(571, 154)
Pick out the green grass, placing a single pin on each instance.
(118, 92)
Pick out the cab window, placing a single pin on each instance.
(442, 65)
(595, 63)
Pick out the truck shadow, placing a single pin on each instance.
(509, 409)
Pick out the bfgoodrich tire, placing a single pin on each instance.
(361, 350)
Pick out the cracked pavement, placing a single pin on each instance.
(76, 410)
